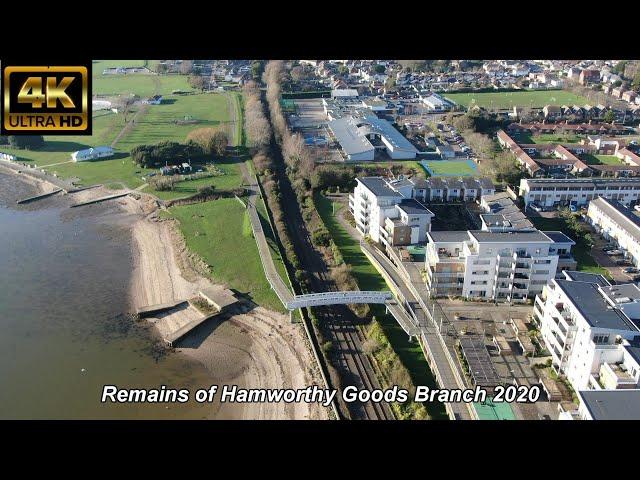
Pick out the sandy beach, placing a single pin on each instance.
(255, 348)
(251, 347)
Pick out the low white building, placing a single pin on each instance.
(92, 154)
(549, 192)
(587, 324)
(618, 223)
(435, 102)
(506, 266)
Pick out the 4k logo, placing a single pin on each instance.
(51, 100)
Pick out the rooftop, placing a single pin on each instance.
(588, 300)
(515, 236)
(413, 207)
(586, 277)
(379, 187)
(448, 236)
(559, 237)
(611, 404)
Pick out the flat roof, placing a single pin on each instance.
(634, 351)
(592, 305)
(413, 207)
(612, 404)
(586, 277)
(379, 187)
(535, 236)
(449, 236)
(558, 237)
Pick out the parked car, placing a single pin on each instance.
(608, 247)
(622, 261)
(573, 208)
(630, 270)
(635, 278)
(614, 252)
(535, 207)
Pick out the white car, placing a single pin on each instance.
(535, 207)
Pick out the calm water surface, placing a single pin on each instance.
(64, 330)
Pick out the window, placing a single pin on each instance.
(601, 339)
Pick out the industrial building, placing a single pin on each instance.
(361, 134)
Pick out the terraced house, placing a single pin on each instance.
(618, 223)
(549, 192)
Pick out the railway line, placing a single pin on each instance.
(339, 322)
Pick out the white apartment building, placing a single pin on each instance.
(608, 405)
(618, 223)
(591, 332)
(550, 192)
(506, 266)
(376, 200)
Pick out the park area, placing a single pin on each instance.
(220, 233)
(172, 120)
(450, 168)
(508, 100)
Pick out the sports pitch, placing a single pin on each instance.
(508, 100)
(450, 168)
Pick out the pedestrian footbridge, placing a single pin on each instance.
(337, 298)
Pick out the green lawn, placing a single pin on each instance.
(158, 124)
(231, 179)
(507, 100)
(601, 159)
(586, 263)
(369, 278)
(449, 168)
(140, 84)
(528, 138)
(220, 232)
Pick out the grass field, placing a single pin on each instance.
(143, 85)
(508, 100)
(601, 160)
(546, 138)
(369, 278)
(220, 232)
(449, 168)
(156, 125)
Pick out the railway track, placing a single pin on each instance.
(356, 368)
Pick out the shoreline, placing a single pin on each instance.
(254, 348)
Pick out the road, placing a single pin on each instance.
(439, 359)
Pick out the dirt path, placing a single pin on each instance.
(129, 125)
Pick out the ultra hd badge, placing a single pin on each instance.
(46, 100)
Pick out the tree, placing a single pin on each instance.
(197, 82)
(186, 67)
(610, 116)
(297, 73)
(212, 141)
(343, 70)
(379, 68)
(27, 142)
